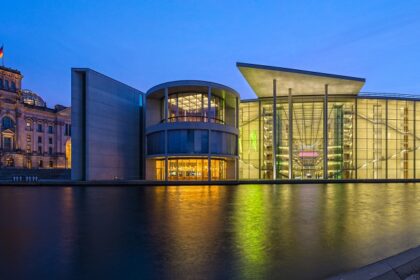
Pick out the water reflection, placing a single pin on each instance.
(238, 232)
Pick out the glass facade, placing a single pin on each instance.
(191, 132)
(358, 138)
(191, 169)
(194, 107)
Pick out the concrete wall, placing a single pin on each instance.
(107, 125)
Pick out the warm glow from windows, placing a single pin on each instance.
(192, 169)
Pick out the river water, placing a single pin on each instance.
(203, 232)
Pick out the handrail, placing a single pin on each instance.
(189, 119)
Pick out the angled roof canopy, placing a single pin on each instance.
(260, 78)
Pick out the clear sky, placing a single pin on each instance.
(143, 43)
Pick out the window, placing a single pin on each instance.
(67, 130)
(50, 150)
(50, 129)
(39, 139)
(40, 149)
(13, 87)
(1, 83)
(7, 123)
(39, 128)
(156, 143)
(194, 107)
(188, 141)
(41, 163)
(223, 143)
(28, 125)
(28, 138)
(7, 143)
(50, 140)
(51, 164)
(10, 162)
(6, 84)
(28, 149)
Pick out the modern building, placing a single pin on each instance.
(309, 125)
(32, 135)
(107, 128)
(302, 125)
(191, 132)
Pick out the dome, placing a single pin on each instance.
(31, 98)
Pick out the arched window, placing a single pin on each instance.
(10, 162)
(7, 123)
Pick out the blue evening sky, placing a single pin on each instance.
(143, 43)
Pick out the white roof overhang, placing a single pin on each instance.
(260, 78)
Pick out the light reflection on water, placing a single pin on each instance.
(207, 232)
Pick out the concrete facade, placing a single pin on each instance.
(106, 128)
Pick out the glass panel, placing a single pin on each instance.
(400, 139)
(188, 141)
(340, 139)
(371, 139)
(249, 140)
(266, 139)
(217, 109)
(308, 138)
(156, 143)
(282, 141)
(223, 143)
(188, 169)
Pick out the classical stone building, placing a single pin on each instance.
(32, 135)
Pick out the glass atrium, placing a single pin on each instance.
(307, 125)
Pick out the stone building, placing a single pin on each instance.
(32, 135)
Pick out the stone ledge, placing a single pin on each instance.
(402, 266)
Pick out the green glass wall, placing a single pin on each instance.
(249, 140)
(367, 138)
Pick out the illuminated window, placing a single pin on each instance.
(193, 107)
(191, 169)
(10, 162)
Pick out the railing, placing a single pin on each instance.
(194, 119)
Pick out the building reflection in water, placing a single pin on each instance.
(188, 225)
(242, 232)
